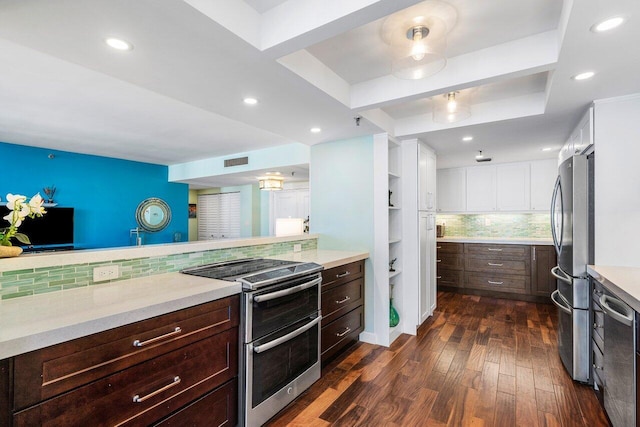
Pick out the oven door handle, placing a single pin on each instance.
(289, 291)
(285, 338)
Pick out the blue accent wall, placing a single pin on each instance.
(105, 192)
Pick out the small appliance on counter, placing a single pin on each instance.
(440, 230)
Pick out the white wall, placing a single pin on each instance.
(617, 181)
(341, 188)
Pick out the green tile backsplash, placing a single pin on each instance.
(19, 283)
(496, 225)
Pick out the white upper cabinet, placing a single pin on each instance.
(481, 189)
(512, 187)
(427, 179)
(451, 190)
(543, 179)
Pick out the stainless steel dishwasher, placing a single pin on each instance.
(619, 360)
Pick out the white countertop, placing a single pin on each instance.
(622, 281)
(498, 240)
(37, 321)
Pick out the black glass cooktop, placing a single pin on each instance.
(231, 270)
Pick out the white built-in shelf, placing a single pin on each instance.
(394, 175)
(394, 273)
(394, 240)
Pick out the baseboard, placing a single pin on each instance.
(369, 337)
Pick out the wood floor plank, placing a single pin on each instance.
(477, 362)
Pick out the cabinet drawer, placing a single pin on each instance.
(497, 265)
(498, 282)
(450, 261)
(450, 278)
(220, 407)
(162, 385)
(53, 370)
(341, 299)
(598, 363)
(498, 251)
(450, 248)
(342, 273)
(598, 328)
(341, 332)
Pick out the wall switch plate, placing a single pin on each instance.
(108, 272)
(297, 247)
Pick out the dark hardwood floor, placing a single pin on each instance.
(476, 362)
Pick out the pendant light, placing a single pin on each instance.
(417, 36)
(450, 108)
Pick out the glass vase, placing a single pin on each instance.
(394, 317)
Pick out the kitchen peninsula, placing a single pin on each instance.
(102, 318)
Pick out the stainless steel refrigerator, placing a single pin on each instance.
(571, 219)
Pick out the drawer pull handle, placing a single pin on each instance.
(346, 331)
(596, 326)
(495, 265)
(494, 249)
(438, 260)
(346, 273)
(176, 331)
(597, 367)
(438, 277)
(597, 292)
(138, 399)
(438, 247)
(342, 301)
(495, 283)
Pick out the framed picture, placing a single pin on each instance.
(192, 210)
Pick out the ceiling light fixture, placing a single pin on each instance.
(547, 149)
(450, 108)
(250, 101)
(607, 24)
(481, 158)
(118, 44)
(271, 183)
(584, 76)
(417, 36)
(315, 130)
(467, 138)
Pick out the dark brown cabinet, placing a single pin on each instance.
(503, 270)
(543, 259)
(450, 264)
(180, 362)
(342, 302)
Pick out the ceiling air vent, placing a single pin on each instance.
(236, 162)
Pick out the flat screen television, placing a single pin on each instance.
(53, 228)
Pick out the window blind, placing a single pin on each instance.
(218, 216)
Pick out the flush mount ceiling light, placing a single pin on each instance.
(118, 44)
(315, 130)
(450, 108)
(250, 101)
(467, 138)
(547, 149)
(417, 36)
(584, 76)
(607, 24)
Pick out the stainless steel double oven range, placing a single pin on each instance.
(280, 331)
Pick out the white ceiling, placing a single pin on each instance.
(177, 96)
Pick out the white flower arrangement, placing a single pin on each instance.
(19, 210)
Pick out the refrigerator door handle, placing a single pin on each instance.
(561, 275)
(608, 304)
(557, 301)
(557, 192)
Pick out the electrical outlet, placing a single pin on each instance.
(297, 247)
(108, 272)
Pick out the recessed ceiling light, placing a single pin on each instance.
(547, 149)
(118, 44)
(607, 24)
(584, 76)
(315, 130)
(467, 138)
(250, 101)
